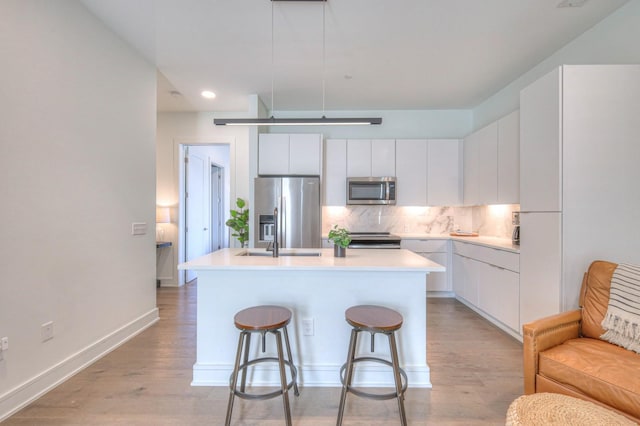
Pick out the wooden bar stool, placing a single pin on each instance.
(373, 319)
(263, 320)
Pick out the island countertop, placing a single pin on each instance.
(303, 259)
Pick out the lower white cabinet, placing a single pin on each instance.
(436, 250)
(488, 279)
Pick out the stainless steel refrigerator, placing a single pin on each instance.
(299, 214)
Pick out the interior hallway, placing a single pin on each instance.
(476, 371)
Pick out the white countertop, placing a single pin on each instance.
(493, 242)
(356, 260)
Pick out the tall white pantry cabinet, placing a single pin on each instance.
(579, 180)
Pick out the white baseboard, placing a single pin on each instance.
(22, 395)
(312, 375)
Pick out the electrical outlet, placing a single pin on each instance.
(4, 343)
(47, 331)
(515, 218)
(307, 327)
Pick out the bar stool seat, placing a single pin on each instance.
(262, 319)
(373, 319)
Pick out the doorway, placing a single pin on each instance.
(204, 197)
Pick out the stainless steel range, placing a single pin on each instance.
(374, 240)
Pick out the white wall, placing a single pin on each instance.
(175, 129)
(77, 136)
(614, 40)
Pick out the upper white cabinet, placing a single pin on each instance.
(444, 163)
(481, 166)
(541, 144)
(335, 172)
(428, 172)
(289, 154)
(371, 157)
(411, 172)
(509, 159)
(491, 163)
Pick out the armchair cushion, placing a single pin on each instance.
(596, 369)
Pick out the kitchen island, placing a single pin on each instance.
(317, 287)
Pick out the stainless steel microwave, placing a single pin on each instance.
(371, 190)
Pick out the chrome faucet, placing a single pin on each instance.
(276, 246)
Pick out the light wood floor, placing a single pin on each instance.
(476, 371)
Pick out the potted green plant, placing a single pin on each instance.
(341, 239)
(239, 222)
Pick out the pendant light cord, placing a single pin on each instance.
(324, 55)
(272, 60)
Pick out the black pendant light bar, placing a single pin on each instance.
(272, 121)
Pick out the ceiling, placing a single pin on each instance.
(378, 54)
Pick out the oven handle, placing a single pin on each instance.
(374, 246)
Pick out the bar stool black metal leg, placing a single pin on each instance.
(245, 359)
(292, 367)
(283, 378)
(396, 376)
(348, 375)
(234, 378)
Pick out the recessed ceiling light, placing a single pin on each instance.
(208, 94)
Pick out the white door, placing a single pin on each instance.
(198, 213)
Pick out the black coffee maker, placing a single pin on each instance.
(515, 236)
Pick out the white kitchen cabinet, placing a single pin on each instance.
(471, 169)
(289, 154)
(488, 164)
(411, 172)
(366, 157)
(383, 157)
(481, 166)
(509, 159)
(488, 280)
(335, 172)
(491, 163)
(541, 144)
(444, 163)
(436, 250)
(578, 195)
(359, 157)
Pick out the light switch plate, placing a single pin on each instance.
(138, 228)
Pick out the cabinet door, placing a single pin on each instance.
(359, 158)
(488, 164)
(273, 154)
(335, 172)
(459, 275)
(541, 144)
(509, 159)
(471, 170)
(383, 157)
(443, 172)
(498, 294)
(411, 172)
(540, 265)
(304, 154)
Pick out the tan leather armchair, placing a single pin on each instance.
(564, 353)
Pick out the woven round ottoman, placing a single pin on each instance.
(557, 409)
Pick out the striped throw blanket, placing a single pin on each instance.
(622, 321)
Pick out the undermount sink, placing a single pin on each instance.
(281, 254)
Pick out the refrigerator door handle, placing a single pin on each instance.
(283, 219)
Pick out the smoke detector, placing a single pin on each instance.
(572, 3)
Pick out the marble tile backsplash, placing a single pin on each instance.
(492, 221)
